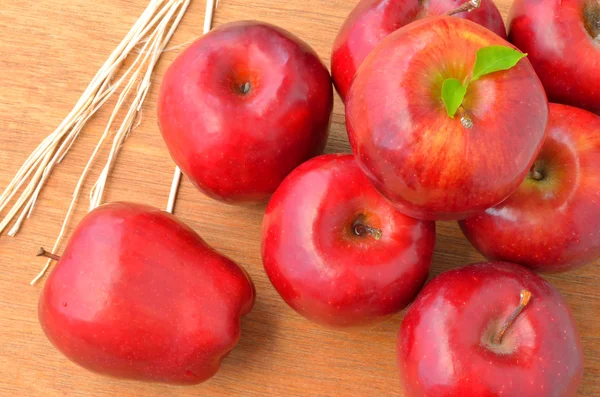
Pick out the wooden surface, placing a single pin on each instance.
(50, 50)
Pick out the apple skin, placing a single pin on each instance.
(551, 225)
(562, 51)
(320, 267)
(372, 20)
(237, 147)
(139, 295)
(445, 347)
(427, 164)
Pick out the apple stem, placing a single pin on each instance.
(538, 176)
(43, 252)
(245, 88)
(525, 297)
(465, 120)
(591, 19)
(466, 7)
(536, 172)
(361, 229)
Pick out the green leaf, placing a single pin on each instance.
(495, 58)
(453, 93)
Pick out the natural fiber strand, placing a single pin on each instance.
(153, 29)
(208, 18)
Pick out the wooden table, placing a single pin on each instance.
(50, 50)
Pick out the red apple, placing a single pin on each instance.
(336, 251)
(242, 107)
(552, 222)
(373, 20)
(428, 164)
(489, 329)
(563, 42)
(137, 294)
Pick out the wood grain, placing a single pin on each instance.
(50, 51)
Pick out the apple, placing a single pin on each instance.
(139, 295)
(489, 329)
(552, 222)
(428, 164)
(242, 107)
(563, 42)
(336, 251)
(372, 20)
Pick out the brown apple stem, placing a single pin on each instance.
(361, 229)
(525, 297)
(536, 172)
(538, 176)
(466, 122)
(43, 252)
(244, 88)
(465, 119)
(466, 7)
(591, 19)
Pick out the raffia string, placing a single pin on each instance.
(157, 45)
(146, 60)
(208, 18)
(153, 29)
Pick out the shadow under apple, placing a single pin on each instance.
(259, 329)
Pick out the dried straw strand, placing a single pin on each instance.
(157, 47)
(208, 19)
(151, 29)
